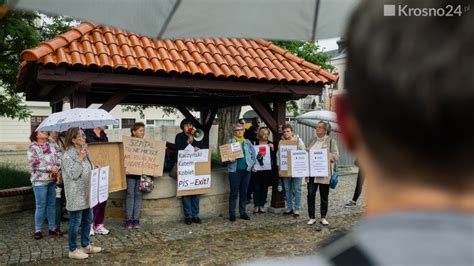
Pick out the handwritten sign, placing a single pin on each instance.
(94, 188)
(231, 151)
(194, 172)
(298, 163)
(111, 154)
(266, 162)
(319, 162)
(284, 147)
(104, 183)
(143, 156)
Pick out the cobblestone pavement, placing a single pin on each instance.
(216, 241)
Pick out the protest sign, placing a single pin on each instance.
(194, 172)
(104, 183)
(94, 188)
(319, 163)
(283, 148)
(231, 151)
(111, 154)
(298, 165)
(143, 156)
(265, 163)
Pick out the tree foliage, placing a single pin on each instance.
(21, 30)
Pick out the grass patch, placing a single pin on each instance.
(12, 177)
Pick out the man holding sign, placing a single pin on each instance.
(182, 140)
(323, 152)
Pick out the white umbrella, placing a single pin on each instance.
(314, 123)
(319, 115)
(172, 19)
(77, 117)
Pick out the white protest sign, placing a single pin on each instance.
(94, 187)
(284, 149)
(188, 179)
(235, 146)
(318, 162)
(104, 184)
(266, 162)
(299, 163)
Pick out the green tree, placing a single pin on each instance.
(19, 31)
(309, 51)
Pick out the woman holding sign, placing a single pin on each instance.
(133, 203)
(77, 168)
(292, 184)
(239, 173)
(321, 141)
(182, 140)
(263, 177)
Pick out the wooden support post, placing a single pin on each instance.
(79, 99)
(264, 112)
(188, 115)
(207, 119)
(114, 100)
(279, 114)
(57, 107)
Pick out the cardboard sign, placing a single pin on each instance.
(94, 188)
(111, 154)
(143, 156)
(264, 150)
(319, 164)
(283, 148)
(103, 183)
(231, 151)
(194, 172)
(298, 165)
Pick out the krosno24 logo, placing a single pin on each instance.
(406, 11)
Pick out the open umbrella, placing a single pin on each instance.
(319, 115)
(77, 117)
(171, 19)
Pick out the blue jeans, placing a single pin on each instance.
(239, 183)
(191, 206)
(75, 218)
(45, 198)
(292, 192)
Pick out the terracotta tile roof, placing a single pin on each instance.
(109, 49)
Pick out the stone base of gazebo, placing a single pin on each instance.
(162, 205)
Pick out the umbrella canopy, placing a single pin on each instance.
(77, 117)
(319, 115)
(314, 123)
(171, 19)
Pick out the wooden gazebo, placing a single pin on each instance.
(98, 64)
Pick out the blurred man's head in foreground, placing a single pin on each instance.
(408, 113)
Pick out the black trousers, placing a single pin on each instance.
(358, 189)
(323, 194)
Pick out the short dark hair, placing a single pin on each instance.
(416, 73)
(287, 126)
(135, 127)
(34, 136)
(186, 121)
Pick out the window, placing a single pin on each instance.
(36, 121)
(127, 122)
(159, 122)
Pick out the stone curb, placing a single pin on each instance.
(15, 191)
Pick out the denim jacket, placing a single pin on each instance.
(249, 156)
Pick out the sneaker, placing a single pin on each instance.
(324, 221)
(188, 221)
(38, 235)
(91, 233)
(101, 230)
(136, 224)
(311, 221)
(288, 212)
(78, 255)
(351, 204)
(232, 218)
(197, 220)
(91, 249)
(296, 213)
(129, 224)
(55, 232)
